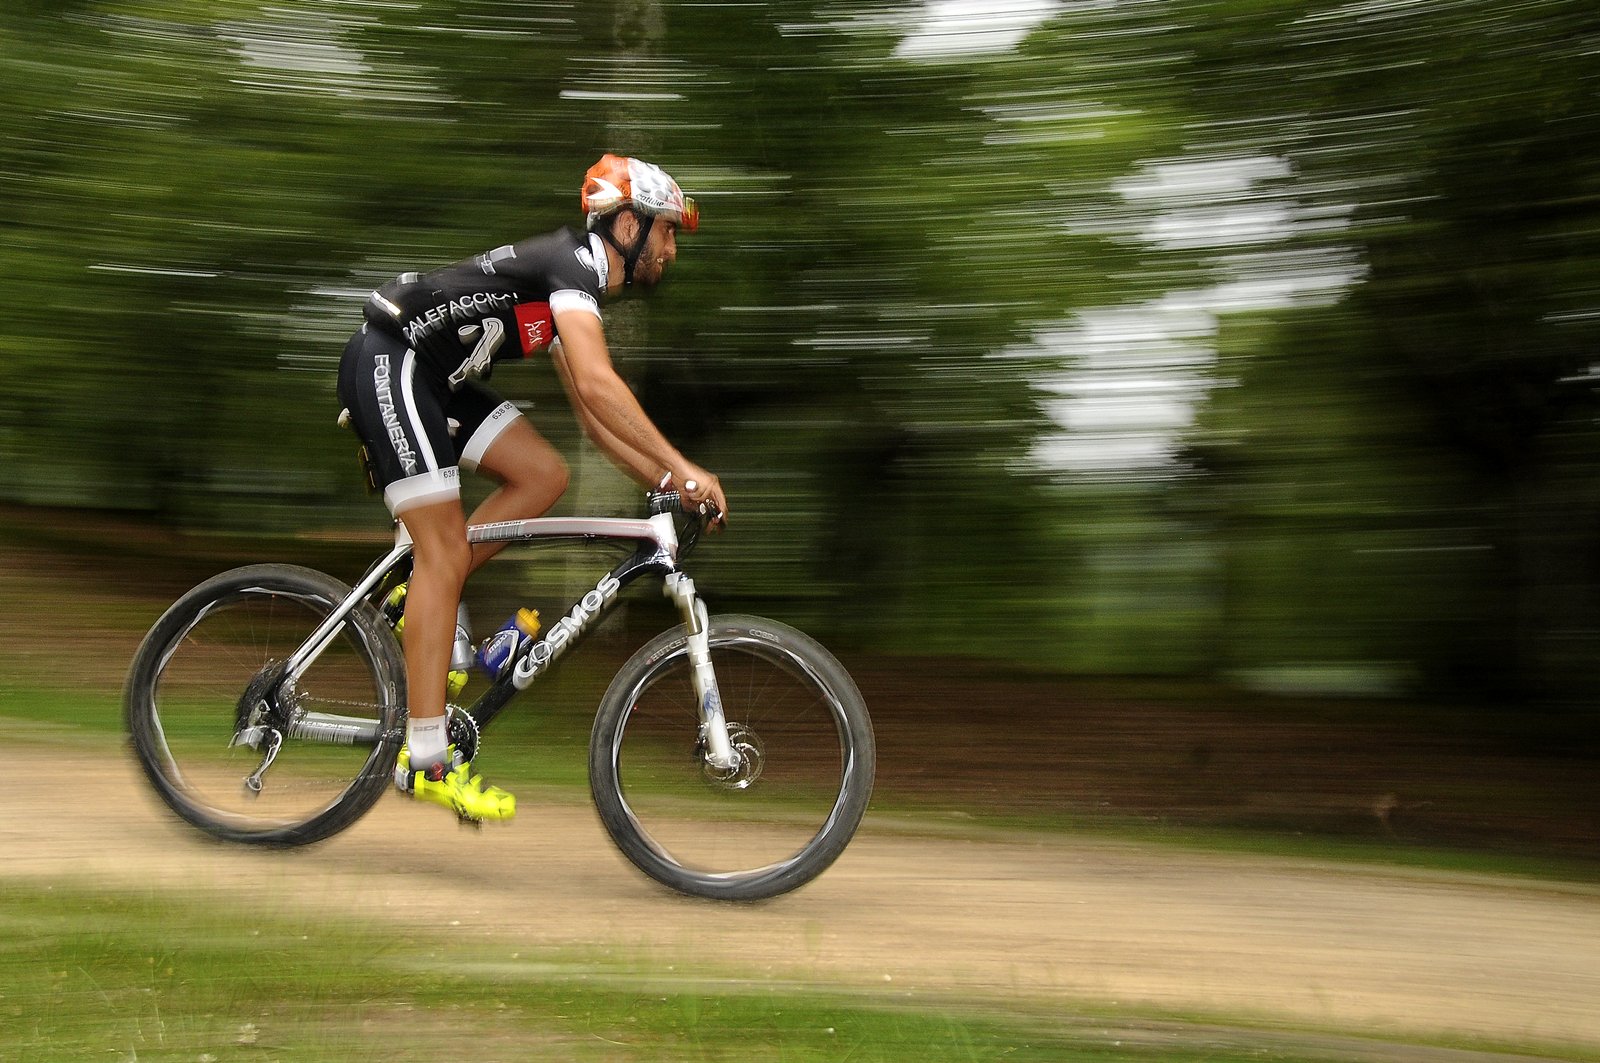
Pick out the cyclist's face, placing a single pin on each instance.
(659, 251)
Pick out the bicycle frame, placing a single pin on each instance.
(656, 554)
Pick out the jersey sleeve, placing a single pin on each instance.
(575, 278)
(551, 274)
(573, 299)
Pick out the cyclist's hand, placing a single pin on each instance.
(699, 487)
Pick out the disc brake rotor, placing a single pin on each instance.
(751, 758)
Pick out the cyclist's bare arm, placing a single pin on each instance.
(613, 418)
(629, 460)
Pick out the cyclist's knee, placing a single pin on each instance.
(439, 543)
(538, 485)
(541, 472)
(526, 462)
(446, 558)
(557, 477)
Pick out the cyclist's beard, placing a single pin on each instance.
(648, 273)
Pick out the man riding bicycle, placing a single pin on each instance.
(411, 379)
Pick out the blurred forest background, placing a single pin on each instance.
(1250, 341)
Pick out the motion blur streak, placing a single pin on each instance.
(1229, 340)
(1180, 415)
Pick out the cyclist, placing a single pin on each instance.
(411, 381)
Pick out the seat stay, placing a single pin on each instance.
(331, 625)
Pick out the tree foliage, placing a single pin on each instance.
(902, 256)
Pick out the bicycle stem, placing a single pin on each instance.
(720, 753)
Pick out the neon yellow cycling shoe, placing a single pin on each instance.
(453, 786)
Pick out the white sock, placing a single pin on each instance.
(427, 739)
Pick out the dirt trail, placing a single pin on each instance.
(1389, 953)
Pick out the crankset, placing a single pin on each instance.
(463, 732)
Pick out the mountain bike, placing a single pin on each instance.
(731, 757)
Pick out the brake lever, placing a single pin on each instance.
(706, 509)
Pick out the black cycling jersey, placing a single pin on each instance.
(408, 376)
(494, 306)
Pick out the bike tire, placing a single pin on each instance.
(809, 761)
(185, 688)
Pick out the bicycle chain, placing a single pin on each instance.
(370, 706)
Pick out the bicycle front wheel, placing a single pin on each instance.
(206, 703)
(805, 774)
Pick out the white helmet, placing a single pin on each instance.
(617, 181)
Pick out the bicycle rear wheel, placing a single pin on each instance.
(205, 696)
(781, 818)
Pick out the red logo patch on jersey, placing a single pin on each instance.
(535, 326)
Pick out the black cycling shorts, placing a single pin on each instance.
(418, 433)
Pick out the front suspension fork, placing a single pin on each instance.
(720, 754)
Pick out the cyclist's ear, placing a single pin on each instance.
(629, 225)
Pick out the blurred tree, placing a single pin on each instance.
(883, 231)
(190, 185)
(898, 255)
(1462, 134)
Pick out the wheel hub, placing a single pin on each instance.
(742, 775)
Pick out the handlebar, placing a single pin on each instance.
(699, 517)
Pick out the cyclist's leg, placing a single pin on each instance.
(397, 408)
(496, 440)
(440, 562)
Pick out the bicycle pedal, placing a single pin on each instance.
(468, 821)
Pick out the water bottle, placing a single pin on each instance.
(499, 649)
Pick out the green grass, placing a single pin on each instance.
(64, 715)
(116, 977)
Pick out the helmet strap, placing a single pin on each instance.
(630, 255)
